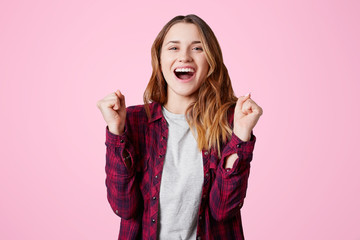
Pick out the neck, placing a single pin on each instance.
(177, 104)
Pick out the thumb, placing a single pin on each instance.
(121, 98)
(122, 101)
(116, 106)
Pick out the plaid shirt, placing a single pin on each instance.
(133, 193)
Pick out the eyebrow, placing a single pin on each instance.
(193, 42)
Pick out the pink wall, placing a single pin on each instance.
(300, 60)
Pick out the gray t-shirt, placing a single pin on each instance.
(181, 183)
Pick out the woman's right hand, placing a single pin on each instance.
(113, 109)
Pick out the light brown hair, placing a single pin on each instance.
(208, 114)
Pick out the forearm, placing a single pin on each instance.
(244, 136)
(229, 188)
(123, 192)
(122, 187)
(228, 192)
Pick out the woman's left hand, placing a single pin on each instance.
(246, 115)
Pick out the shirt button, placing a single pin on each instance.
(228, 170)
(207, 174)
(156, 176)
(160, 156)
(200, 217)
(198, 238)
(122, 140)
(117, 211)
(204, 196)
(238, 145)
(154, 198)
(153, 220)
(206, 153)
(163, 138)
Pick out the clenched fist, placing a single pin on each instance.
(113, 109)
(246, 115)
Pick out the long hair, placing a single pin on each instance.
(208, 114)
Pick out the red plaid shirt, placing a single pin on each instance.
(134, 193)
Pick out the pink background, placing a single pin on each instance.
(300, 59)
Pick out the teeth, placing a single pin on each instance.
(184, 70)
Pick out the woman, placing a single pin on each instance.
(177, 167)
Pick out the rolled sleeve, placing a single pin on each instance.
(120, 147)
(113, 139)
(122, 187)
(244, 151)
(229, 189)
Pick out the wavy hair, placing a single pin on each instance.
(209, 113)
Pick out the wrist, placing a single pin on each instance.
(115, 130)
(244, 135)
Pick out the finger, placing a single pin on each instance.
(121, 98)
(111, 96)
(257, 109)
(242, 99)
(247, 107)
(113, 102)
(117, 104)
(251, 107)
(122, 101)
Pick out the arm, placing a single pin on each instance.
(123, 192)
(229, 189)
(122, 187)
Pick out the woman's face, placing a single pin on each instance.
(183, 61)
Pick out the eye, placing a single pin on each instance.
(198, 48)
(173, 48)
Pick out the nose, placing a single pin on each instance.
(184, 56)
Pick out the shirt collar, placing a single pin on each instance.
(155, 111)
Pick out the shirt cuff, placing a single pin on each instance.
(244, 150)
(121, 143)
(115, 140)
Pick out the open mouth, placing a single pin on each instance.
(184, 73)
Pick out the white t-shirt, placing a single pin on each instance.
(181, 182)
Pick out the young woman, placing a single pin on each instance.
(177, 167)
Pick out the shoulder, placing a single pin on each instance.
(139, 111)
(135, 108)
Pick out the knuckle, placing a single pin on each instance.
(99, 103)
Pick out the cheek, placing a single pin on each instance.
(205, 68)
(204, 64)
(165, 65)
